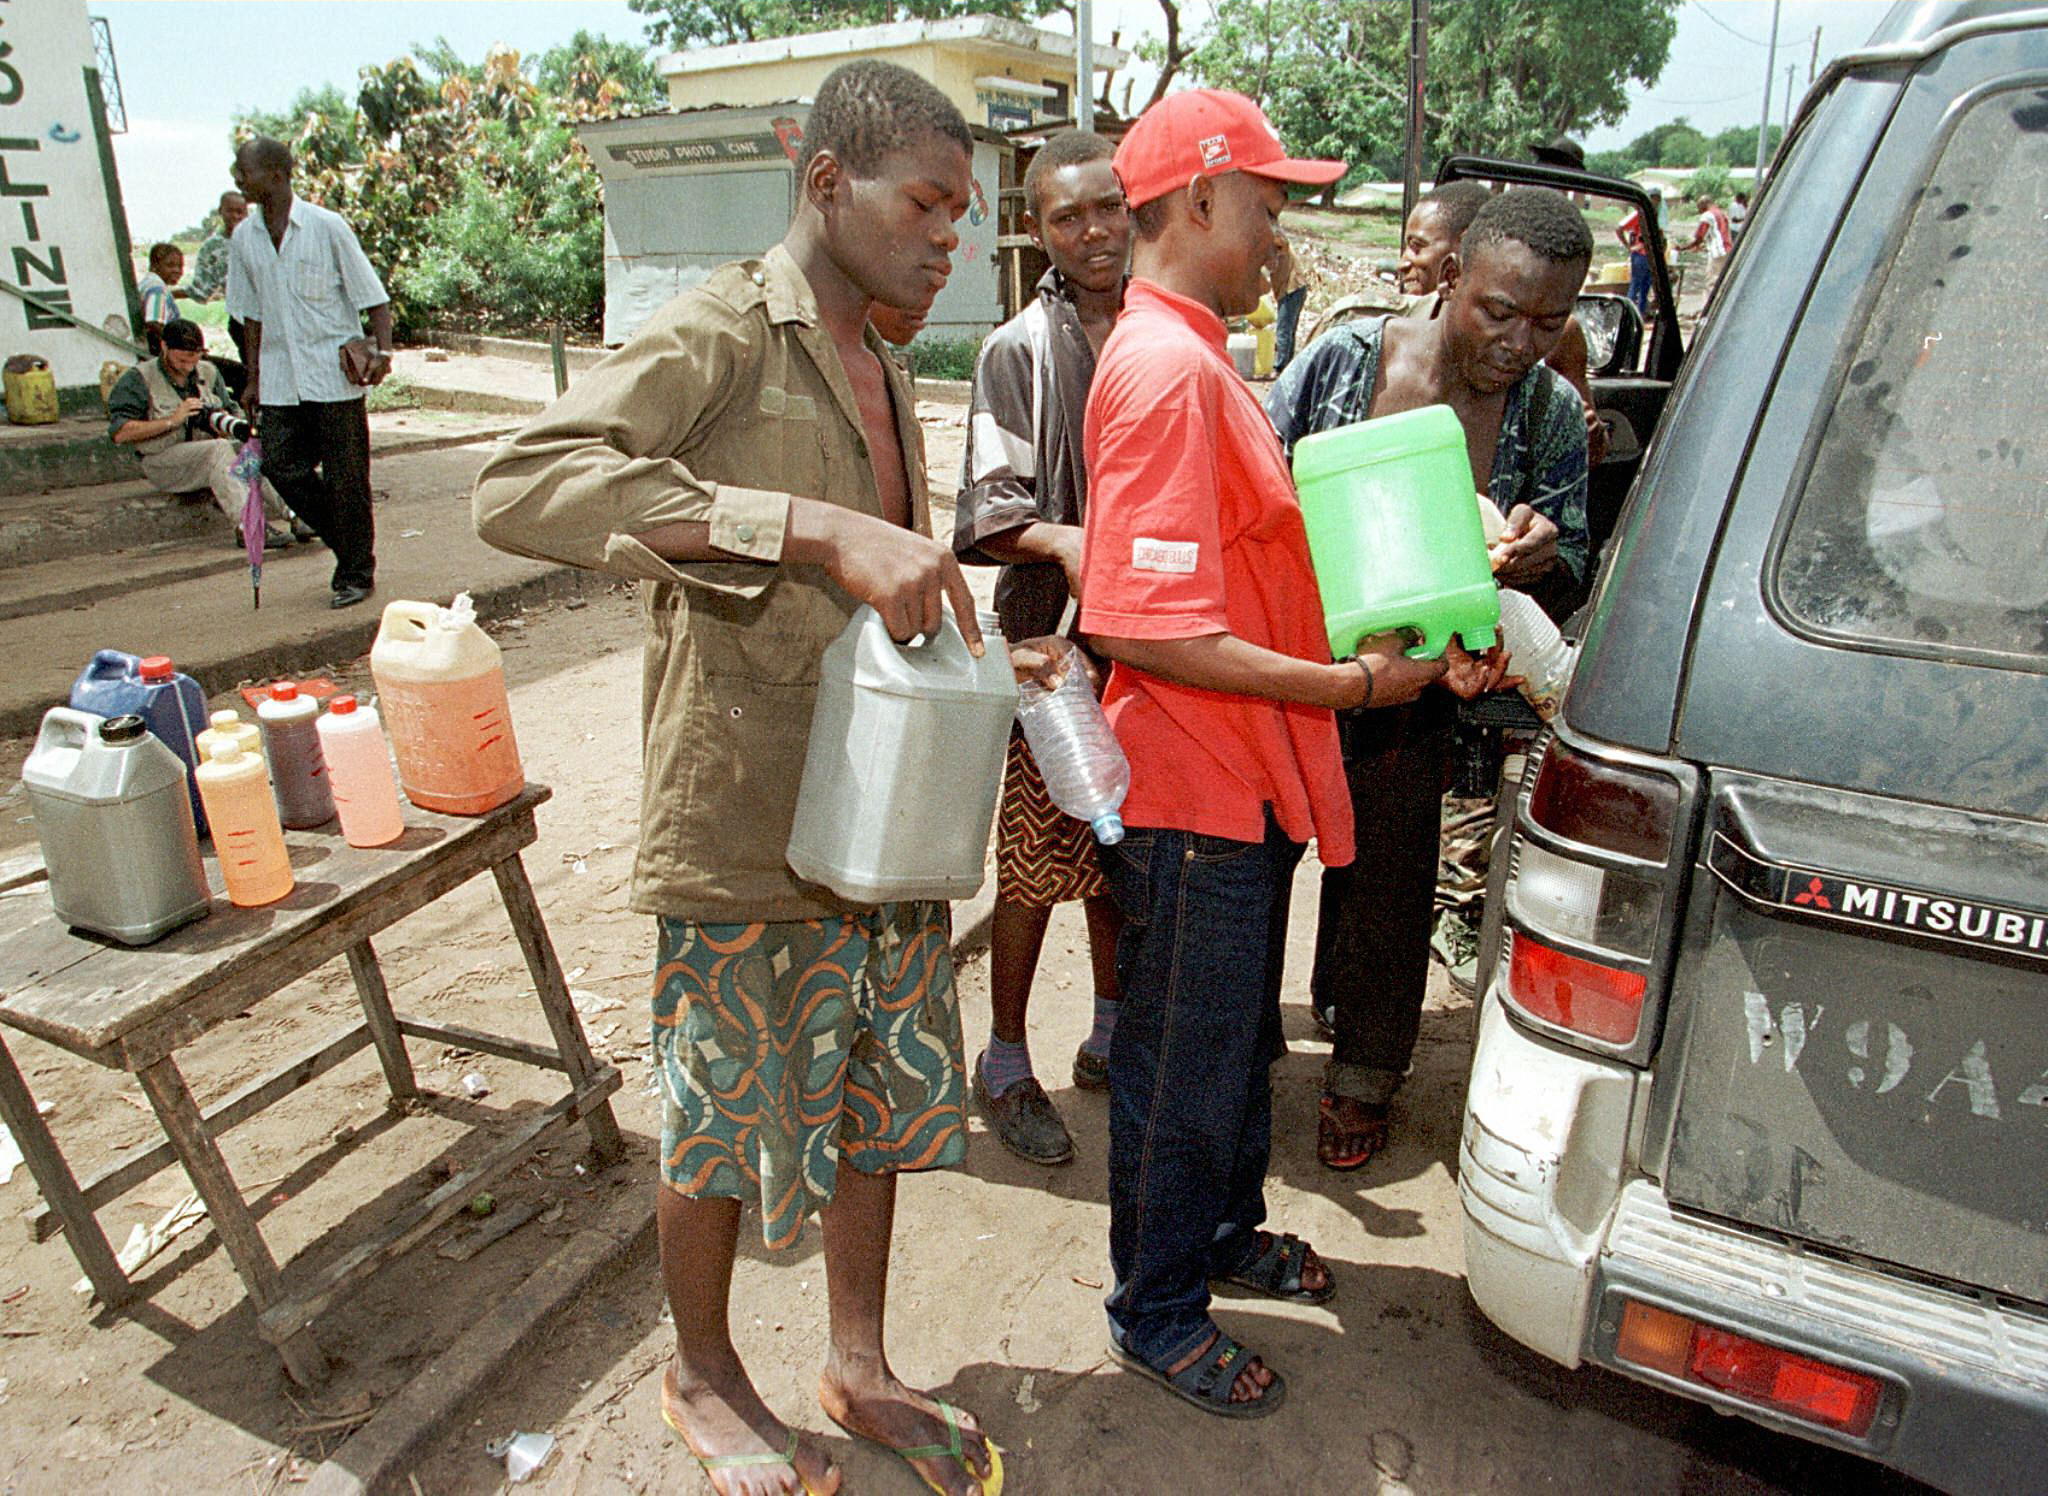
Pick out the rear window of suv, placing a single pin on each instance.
(1923, 525)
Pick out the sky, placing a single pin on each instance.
(188, 66)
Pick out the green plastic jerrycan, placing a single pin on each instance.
(1393, 530)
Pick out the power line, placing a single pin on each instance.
(1753, 41)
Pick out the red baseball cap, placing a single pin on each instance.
(1207, 131)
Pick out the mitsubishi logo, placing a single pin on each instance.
(1815, 894)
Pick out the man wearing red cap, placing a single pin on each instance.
(1196, 584)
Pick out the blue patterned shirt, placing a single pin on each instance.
(1539, 460)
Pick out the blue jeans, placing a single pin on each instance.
(1288, 317)
(1190, 1097)
(1639, 282)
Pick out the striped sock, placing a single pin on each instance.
(1004, 1064)
(1097, 1042)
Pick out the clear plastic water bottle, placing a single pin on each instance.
(1536, 651)
(1084, 766)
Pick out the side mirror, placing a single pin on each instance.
(1614, 334)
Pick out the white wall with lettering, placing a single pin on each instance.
(56, 230)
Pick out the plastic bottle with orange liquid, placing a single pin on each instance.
(228, 723)
(441, 685)
(359, 774)
(247, 837)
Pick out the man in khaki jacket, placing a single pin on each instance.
(150, 409)
(754, 459)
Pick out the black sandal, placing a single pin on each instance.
(1275, 1270)
(1208, 1380)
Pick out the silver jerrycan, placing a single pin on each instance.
(905, 763)
(115, 819)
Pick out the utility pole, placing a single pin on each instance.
(1813, 58)
(1084, 64)
(1763, 127)
(1790, 69)
(1418, 80)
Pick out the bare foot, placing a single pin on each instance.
(1250, 1384)
(725, 1416)
(882, 1409)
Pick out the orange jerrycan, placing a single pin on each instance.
(441, 692)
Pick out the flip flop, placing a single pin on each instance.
(989, 1485)
(711, 1464)
(1346, 1148)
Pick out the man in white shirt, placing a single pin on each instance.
(299, 282)
(1713, 235)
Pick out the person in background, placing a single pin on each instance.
(1196, 584)
(1430, 241)
(1506, 299)
(301, 284)
(1738, 214)
(1711, 233)
(754, 456)
(1292, 280)
(159, 307)
(1431, 235)
(210, 280)
(1636, 240)
(1023, 494)
(150, 411)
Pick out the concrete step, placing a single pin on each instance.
(191, 601)
(129, 513)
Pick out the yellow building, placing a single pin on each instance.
(1002, 74)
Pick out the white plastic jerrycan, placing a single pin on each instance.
(905, 763)
(441, 689)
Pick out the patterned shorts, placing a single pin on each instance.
(1043, 855)
(783, 1046)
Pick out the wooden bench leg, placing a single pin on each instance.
(605, 1143)
(54, 1178)
(165, 1087)
(369, 978)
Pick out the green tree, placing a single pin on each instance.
(680, 23)
(464, 181)
(1736, 145)
(1682, 146)
(600, 74)
(1504, 75)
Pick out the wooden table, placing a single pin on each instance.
(133, 1010)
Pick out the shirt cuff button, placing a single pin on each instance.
(746, 534)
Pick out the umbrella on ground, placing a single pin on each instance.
(249, 468)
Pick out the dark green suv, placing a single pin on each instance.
(1759, 1105)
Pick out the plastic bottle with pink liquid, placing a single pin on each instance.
(247, 838)
(441, 685)
(359, 774)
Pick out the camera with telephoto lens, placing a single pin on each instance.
(221, 423)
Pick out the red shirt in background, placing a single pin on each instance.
(1193, 529)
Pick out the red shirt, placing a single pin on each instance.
(1193, 529)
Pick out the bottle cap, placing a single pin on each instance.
(225, 717)
(224, 751)
(156, 667)
(1109, 828)
(285, 690)
(126, 729)
(341, 706)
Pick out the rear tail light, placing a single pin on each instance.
(1781, 1381)
(1590, 879)
(1601, 1002)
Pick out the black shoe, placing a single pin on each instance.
(1024, 1121)
(303, 532)
(347, 597)
(276, 539)
(1091, 1071)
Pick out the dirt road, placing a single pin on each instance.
(1398, 1385)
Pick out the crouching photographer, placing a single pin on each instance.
(175, 411)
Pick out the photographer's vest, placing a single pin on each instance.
(165, 398)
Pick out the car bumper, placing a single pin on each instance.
(1555, 1242)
